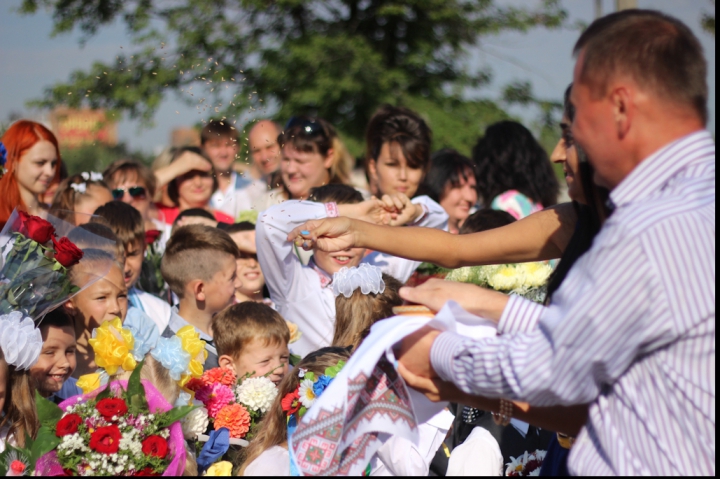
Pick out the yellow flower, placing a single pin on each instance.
(113, 347)
(506, 278)
(222, 468)
(536, 274)
(295, 332)
(195, 346)
(89, 382)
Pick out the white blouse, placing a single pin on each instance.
(272, 462)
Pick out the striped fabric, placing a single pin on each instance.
(631, 330)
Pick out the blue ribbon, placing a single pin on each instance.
(214, 449)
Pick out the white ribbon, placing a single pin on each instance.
(20, 340)
(366, 277)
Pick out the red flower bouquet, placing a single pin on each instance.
(68, 425)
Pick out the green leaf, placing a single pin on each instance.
(309, 375)
(135, 389)
(105, 393)
(175, 415)
(48, 412)
(46, 441)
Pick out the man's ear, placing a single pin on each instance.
(226, 362)
(196, 288)
(623, 109)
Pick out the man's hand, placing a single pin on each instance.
(414, 352)
(434, 389)
(435, 293)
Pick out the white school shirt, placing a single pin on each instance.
(300, 292)
(157, 309)
(235, 198)
(271, 462)
(478, 455)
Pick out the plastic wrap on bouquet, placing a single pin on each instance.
(368, 402)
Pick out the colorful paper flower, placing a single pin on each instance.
(320, 385)
(306, 393)
(170, 353)
(215, 397)
(235, 418)
(291, 403)
(90, 382)
(113, 347)
(295, 332)
(219, 375)
(195, 346)
(257, 394)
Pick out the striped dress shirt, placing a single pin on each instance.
(630, 331)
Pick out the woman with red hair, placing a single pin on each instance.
(33, 160)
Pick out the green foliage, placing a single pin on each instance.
(339, 59)
(97, 156)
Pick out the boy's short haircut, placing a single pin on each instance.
(57, 318)
(100, 229)
(194, 212)
(119, 171)
(125, 221)
(235, 327)
(218, 129)
(486, 219)
(192, 253)
(236, 227)
(335, 193)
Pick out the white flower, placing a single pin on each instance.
(536, 472)
(195, 423)
(257, 394)
(307, 395)
(79, 187)
(506, 278)
(20, 341)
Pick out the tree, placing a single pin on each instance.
(708, 21)
(339, 59)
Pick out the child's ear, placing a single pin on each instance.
(226, 362)
(197, 289)
(70, 307)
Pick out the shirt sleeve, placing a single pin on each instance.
(519, 316)
(597, 326)
(434, 216)
(278, 261)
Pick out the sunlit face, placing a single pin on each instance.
(57, 359)
(134, 254)
(457, 201)
(195, 189)
(333, 262)
(260, 359)
(391, 174)
(264, 148)
(36, 168)
(95, 196)
(140, 202)
(248, 268)
(565, 154)
(104, 300)
(303, 170)
(219, 292)
(222, 153)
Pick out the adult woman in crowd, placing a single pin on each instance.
(513, 170)
(33, 160)
(451, 183)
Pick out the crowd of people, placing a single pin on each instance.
(201, 268)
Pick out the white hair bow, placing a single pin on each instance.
(91, 176)
(366, 277)
(20, 340)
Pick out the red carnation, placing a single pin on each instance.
(291, 402)
(155, 446)
(68, 425)
(66, 253)
(34, 227)
(105, 440)
(151, 236)
(110, 407)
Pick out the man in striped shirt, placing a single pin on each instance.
(632, 329)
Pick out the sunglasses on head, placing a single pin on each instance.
(134, 191)
(308, 126)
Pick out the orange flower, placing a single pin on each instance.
(219, 375)
(235, 418)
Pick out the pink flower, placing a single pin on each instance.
(215, 397)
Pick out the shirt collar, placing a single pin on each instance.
(325, 278)
(653, 173)
(177, 323)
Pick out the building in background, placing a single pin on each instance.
(75, 128)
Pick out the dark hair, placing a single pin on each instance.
(101, 230)
(218, 129)
(402, 126)
(340, 194)
(195, 212)
(125, 221)
(172, 187)
(447, 169)
(236, 227)
(658, 51)
(486, 219)
(507, 158)
(58, 318)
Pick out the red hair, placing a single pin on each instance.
(20, 137)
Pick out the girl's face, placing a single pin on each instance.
(391, 174)
(302, 170)
(4, 378)
(457, 201)
(331, 263)
(95, 196)
(195, 189)
(36, 167)
(565, 154)
(248, 270)
(140, 202)
(104, 300)
(57, 359)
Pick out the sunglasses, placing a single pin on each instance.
(308, 126)
(134, 191)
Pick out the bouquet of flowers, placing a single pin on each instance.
(127, 428)
(525, 279)
(296, 403)
(526, 465)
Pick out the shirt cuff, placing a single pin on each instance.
(443, 352)
(331, 209)
(520, 315)
(424, 214)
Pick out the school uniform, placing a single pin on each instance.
(155, 308)
(177, 322)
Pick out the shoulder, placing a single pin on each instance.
(154, 302)
(272, 462)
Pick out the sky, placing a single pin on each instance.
(30, 61)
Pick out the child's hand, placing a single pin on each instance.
(372, 211)
(402, 211)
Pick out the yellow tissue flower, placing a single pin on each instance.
(295, 332)
(89, 382)
(222, 468)
(195, 346)
(113, 347)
